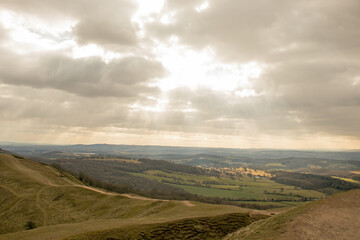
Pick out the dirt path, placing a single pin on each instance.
(188, 204)
(261, 212)
(96, 190)
(142, 198)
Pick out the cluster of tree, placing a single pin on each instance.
(120, 173)
(149, 164)
(96, 173)
(145, 165)
(313, 182)
(119, 188)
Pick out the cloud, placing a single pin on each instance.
(88, 77)
(107, 23)
(321, 96)
(308, 51)
(259, 30)
(235, 30)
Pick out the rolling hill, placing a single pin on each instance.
(335, 217)
(55, 205)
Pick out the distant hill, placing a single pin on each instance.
(39, 202)
(174, 153)
(335, 217)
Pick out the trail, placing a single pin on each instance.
(10, 190)
(186, 203)
(257, 212)
(96, 190)
(143, 198)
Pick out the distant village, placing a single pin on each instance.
(240, 171)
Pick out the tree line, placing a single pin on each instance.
(325, 184)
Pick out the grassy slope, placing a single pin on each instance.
(61, 207)
(195, 228)
(336, 217)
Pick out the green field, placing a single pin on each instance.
(233, 189)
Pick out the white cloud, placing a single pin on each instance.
(202, 7)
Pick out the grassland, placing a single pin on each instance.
(61, 207)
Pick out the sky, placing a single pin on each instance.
(209, 73)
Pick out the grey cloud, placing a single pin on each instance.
(259, 30)
(220, 113)
(325, 96)
(311, 53)
(50, 107)
(107, 23)
(89, 77)
(311, 83)
(321, 84)
(215, 113)
(235, 29)
(330, 107)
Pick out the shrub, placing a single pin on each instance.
(30, 225)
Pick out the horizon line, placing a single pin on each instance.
(178, 146)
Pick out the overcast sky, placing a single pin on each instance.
(213, 73)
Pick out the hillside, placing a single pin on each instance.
(59, 206)
(335, 217)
